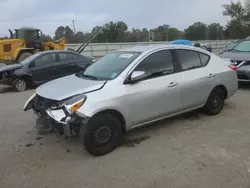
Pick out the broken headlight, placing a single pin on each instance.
(63, 112)
(71, 104)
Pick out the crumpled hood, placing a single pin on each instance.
(68, 86)
(236, 56)
(9, 67)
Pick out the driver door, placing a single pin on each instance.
(155, 96)
(44, 68)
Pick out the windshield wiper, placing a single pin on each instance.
(89, 76)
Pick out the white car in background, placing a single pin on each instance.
(132, 87)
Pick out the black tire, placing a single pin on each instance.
(23, 56)
(102, 134)
(19, 85)
(215, 102)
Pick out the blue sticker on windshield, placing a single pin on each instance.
(113, 75)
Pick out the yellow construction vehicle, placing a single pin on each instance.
(23, 43)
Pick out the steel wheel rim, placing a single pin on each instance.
(216, 102)
(102, 134)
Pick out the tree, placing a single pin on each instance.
(197, 31)
(79, 37)
(115, 31)
(214, 31)
(238, 26)
(174, 33)
(236, 11)
(69, 35)
(160, 33)
(59, 33)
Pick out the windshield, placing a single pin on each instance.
(231, 45)
(110, 66)
(28, 59)
(244, 46)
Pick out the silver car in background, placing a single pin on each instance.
(132, 87)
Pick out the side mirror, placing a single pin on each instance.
(135, 76)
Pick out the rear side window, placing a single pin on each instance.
(189, 59)
(157, 62)
(204, 59)
(66, 57)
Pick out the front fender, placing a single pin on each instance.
(91, 110)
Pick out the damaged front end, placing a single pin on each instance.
(6, 77)
(60, 116)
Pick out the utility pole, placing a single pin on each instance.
(167, 34)
(74, 28)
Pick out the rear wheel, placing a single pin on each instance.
(19, 84)
(215, 102)
(103, 134)
(23, 56)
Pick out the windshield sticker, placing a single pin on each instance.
(126, 56)
(113, 75)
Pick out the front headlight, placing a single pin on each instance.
(71, 104)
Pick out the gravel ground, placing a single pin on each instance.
(192, 150)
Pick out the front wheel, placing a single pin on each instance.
(215, 102)
(19, 84)
(103, 134)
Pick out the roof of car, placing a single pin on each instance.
(151, 47)
(57, 51)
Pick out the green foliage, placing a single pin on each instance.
(238, 26)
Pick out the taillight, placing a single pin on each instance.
(232, 67)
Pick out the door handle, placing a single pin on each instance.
(211, 75)
(172, 84)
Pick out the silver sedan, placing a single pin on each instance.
(132, 87)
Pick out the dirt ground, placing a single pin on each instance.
(192, 150)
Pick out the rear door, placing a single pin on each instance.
(44, 68)
(69, 63)
(196, 81)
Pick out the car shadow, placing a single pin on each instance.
(8, 89)
(171, 125)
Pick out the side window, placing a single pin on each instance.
(204, 59)
(188, 59)
(66, 57)
(157, 62)
(45, 59)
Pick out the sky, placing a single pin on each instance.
(47, 15)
